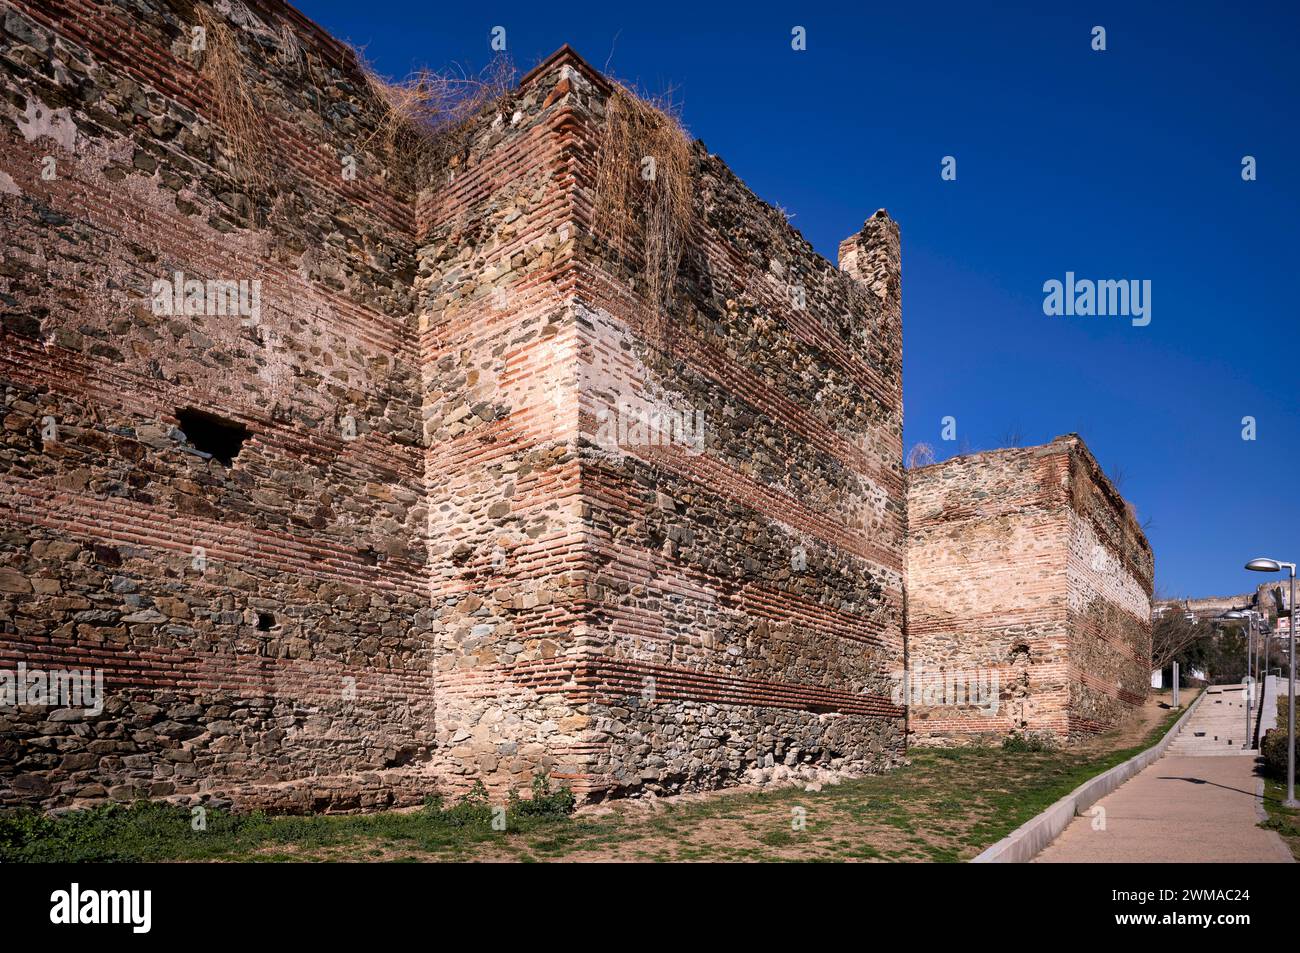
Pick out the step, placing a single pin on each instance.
(1217, 729)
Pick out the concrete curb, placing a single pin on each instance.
(1262, 813)
(1027, 840)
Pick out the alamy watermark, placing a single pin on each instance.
(58, 688)
(979, 688)
(1125, 297)
(215, 296)
(637, 422)
(75, 906)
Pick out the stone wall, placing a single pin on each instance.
(628, 612)
(1111, 574)
(1273, 597)
(1027, 574)
(1210, 607)
(747, 575)
(262, 626)
(436, 554)
(498, 338)
(1261, 599)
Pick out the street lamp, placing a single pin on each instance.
(1261, 640)
(1274, 565)
(1266, 637)
(1257, 622)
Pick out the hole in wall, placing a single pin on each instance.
(265, 621)
(399, 757)
(220, 438)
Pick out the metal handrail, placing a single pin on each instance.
(1259, 714)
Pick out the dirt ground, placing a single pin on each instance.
(1141, 722)
(942, 805)
(945, 805)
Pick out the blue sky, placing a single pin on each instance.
(1123, 164)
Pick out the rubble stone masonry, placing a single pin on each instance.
(450, 547)
(1026, 570)
(262, 627)
(667, 554)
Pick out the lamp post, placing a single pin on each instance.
(1274, 565)
(1253, 622)
(1264, 651)
(1258, 681)
(1254, 669)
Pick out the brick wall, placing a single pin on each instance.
(747, 586)
(498, 342)
(430, 563)
(1026, 572)
(625, 612)
(1111, 572)
(122, 549)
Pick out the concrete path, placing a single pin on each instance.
(1199, 803)
(1194, 809)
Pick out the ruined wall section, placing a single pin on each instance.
(498, 345)
(425, 488)
(741, 471)
(260, 625)
(1111, 571)
(1211, 606)
(987, 594)
(1027, 562)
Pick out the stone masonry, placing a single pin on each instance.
(403, 521)
(262, 627)
(1026, 571)
(637, 613)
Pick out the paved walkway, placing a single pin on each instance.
(1198, 809)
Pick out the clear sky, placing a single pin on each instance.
(1122, 164)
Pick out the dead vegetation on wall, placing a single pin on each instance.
(921, 455)
(645, 192)
(234, 107)
(425, 120)
(419, 123)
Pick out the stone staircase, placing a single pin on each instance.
(1218, 726)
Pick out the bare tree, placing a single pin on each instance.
(1015, 437)
(1172, 632)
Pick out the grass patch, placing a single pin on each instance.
(1286, 821)
(1273, 749)
(945, 806)
(1030, 741)
(155, 831)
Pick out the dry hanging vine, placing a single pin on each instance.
(644, 192)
